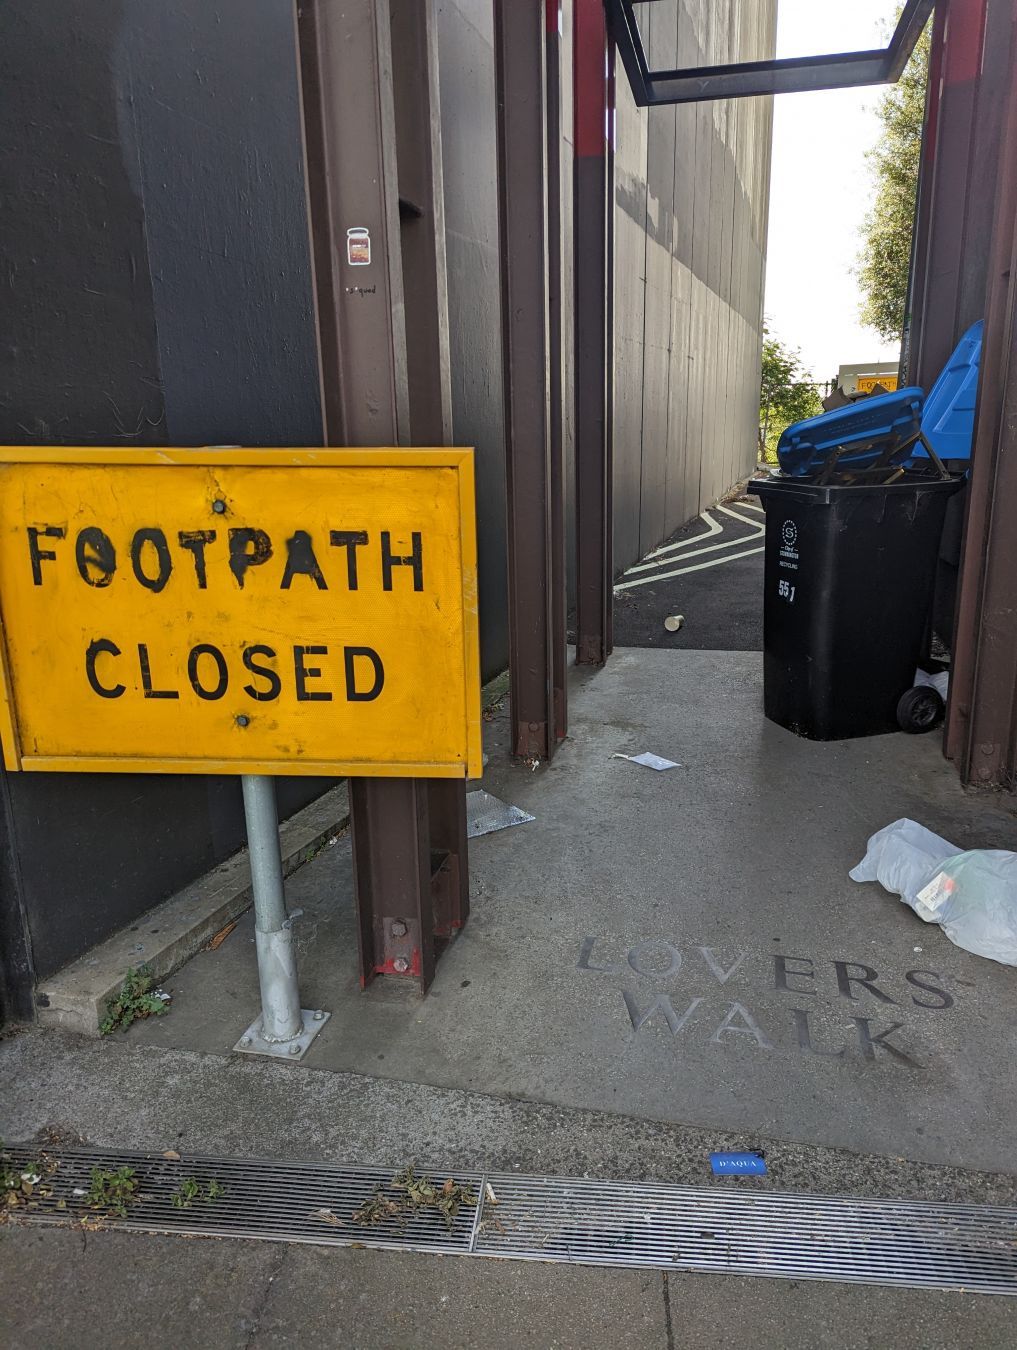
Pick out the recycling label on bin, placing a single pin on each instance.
(789, 545)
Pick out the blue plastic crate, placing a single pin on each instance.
(949, 417)
(886, 425)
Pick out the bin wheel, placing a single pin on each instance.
(920, 709)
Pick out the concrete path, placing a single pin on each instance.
(142, 1292)
(682, 946)
(659, 965)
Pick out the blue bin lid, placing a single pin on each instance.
(949, 417)
(881, 425)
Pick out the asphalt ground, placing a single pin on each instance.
(711, 573)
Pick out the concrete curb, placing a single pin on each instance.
(165, 937)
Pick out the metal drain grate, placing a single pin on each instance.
(915, 1244)
(266, 1199)
(921, 1245)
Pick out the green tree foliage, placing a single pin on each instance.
(886, 257)
(787, 393)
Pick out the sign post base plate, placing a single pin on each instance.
(252, 1042)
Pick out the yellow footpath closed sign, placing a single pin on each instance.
(240, 611)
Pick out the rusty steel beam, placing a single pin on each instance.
(921, 233)
(955, 208)
(982, 713)
(373, 167)
(556, 356)
(392, 867)
(350, 147)
(521, 71)
(425, 296)
(421, 205)
(592, 224)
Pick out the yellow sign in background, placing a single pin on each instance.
(866, 383)
(239, 611)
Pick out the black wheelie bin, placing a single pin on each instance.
(852, 539)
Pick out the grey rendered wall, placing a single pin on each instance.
(466, 76)
(156, 290)
(692, 193)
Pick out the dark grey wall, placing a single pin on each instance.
(78, 348)
(692, 192)
(210, 122)
(156, 289)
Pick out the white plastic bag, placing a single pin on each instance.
(972, 896)
(904, 857)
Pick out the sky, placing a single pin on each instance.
(821, 190)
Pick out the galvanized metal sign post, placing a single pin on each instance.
(234, 611)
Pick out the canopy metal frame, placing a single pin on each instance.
(747, 79)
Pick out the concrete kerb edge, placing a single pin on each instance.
(76, 997)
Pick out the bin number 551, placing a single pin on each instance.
(786, 591)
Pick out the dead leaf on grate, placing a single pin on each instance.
(417, 1194)
(327, 1216)
(376, 1208)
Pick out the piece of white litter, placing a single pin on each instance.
(485, 814)
(489, 1191)
(650, 760)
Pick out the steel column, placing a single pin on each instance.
(392, 863)
(594, 281)
(921, 232)
(421, 206)
(372, 139)
(425, 295)
(955, 206)
(350, 143)
(520, 61)
(556, 424)
(982, 715)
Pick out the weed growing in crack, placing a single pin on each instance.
(136, 999)
(191, 1190)
(112, 1191)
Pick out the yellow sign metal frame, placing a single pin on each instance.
(458, 659)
